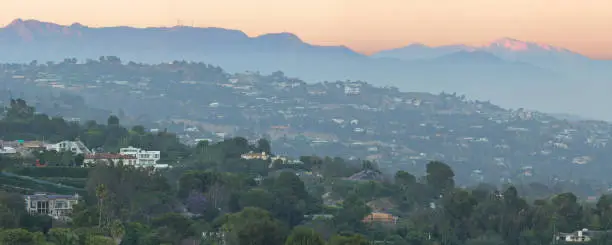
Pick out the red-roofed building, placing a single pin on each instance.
(377, 217)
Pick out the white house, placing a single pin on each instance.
(7, 150)
(92, 159)
(352, 90)
(76, 147)
(581, 236)
(56, 206)
(252, 155)
(143, 158)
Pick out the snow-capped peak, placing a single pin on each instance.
(512, 44)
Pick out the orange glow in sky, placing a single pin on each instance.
(584, 26)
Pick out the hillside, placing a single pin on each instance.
(216, 193)
(354, 120)
(543, 77)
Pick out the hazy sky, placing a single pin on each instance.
(584, 26)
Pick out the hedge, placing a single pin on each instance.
(6, 181)
(74, 182)
(38, 172)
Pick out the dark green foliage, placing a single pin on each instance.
(54, 172)
(213, 190)
(304, 236)
(348, 240)
(254, 226)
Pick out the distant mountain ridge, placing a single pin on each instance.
(544, 75)
(543, 55)
(499, 46)
(36, 32)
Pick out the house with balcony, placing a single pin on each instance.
(57, 206)
(108, 158)
(143, 158)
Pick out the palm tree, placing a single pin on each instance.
(101, 193)
(117, 231)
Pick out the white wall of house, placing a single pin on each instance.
(92, 161)
(7, 150)
(56, 206)
(143, 158)
(75, 147)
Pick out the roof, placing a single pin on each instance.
(42, 196)
(101, 156)
(33, 144)
(381, 216)
(366, 175)
(252, 154)
(376, 216)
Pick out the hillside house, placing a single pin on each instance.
(33, 145)
(581, 236)
(57, 206)
(383, 218)
(143, 158)
(252, 156)
(76, 147)
(108, 158)
(7, 150)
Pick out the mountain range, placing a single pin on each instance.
(509, 72)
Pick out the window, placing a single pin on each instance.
(61, 204)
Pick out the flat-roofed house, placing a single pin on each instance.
(57, 206)
(92, 159)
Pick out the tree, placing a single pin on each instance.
(352, 213)
(404, 179)
(568, 212)
(117, 231)
(63, 236)
(440, 177)
(304, 236)
(19, 111)
(263, 145)
(369, 166)
(395, 240)
(99, 240)
(21, 237)
(101, 193)
(196, 202)
(173, 227)
(112, 120)
(291, 198)
(259, 198)
(254, 226)
(139, 234)
(408, 190)
(138, 129)
(488, 239)
(348, 240)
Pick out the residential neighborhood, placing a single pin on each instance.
(350, 119)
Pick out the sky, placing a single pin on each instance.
(367, 26)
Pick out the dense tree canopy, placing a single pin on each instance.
(213, 195)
